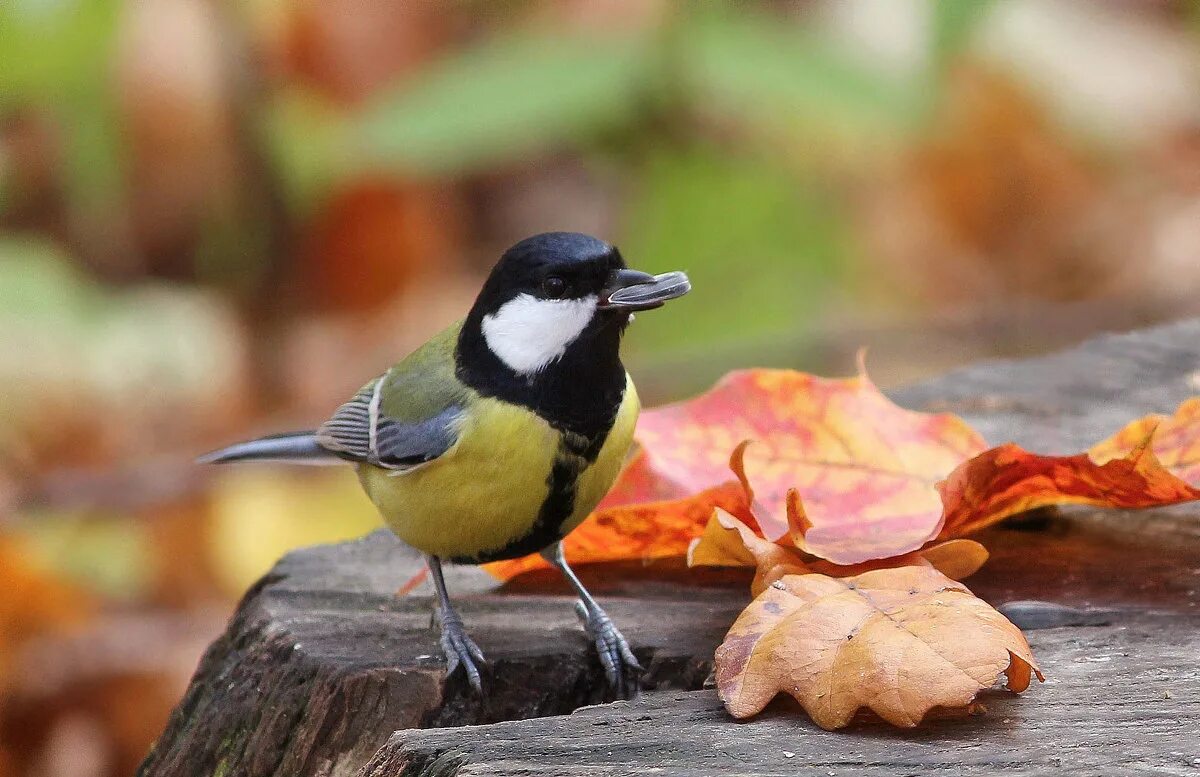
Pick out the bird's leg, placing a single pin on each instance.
(621, 667)
(460, 650)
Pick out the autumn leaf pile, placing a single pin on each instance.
(853, 512)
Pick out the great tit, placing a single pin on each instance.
(499, 435)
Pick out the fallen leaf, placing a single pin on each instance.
(839, 472)
(1008, 480)
(412, 583)
(725, 542)
(898, 641)
(957, 558)
(639, 483)
(728, 542)
(886, 518)
(1174, 440)
(646, 531)
(864, 468)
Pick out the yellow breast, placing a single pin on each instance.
(486, 492)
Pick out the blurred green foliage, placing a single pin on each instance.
(657, 108)
(110, 554)
(632, 100)
(505, 98)
(56, 57)
(755, 72)
(310, 145)
(41, 288)
(510, 96)
(77, 358)
(54, 52)
(760, 246)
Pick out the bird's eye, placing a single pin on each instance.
(554, 287)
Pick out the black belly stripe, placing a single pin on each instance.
(574, 455)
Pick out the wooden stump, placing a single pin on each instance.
(321, 663)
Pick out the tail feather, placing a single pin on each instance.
(290, 448)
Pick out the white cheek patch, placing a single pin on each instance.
(528, 333)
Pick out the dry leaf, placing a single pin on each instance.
(728, 542)
(1009, 480)
(887, 519)
(865, 468)
(1174, 440)
(898, 641)
(645, 531)
(956, 559)
(839, 472)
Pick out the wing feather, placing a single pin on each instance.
(361, 431)
(348, 432)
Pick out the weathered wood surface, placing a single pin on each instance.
(1105, 710)
(1120, 699)
(321, 663)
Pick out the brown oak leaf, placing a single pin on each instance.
(898, 641)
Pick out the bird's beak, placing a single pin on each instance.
(630, 290)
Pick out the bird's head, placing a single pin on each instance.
(551, 291)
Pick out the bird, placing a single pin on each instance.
(500, 434)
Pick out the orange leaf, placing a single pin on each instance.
(645, 531)
(841, 473)
(643, 516)
(638, 484)
(1008, 480)
(727, 542)
(955, 559)
(898, 641)
(719, 546)
(866, 468)
(412, 583)
(1175, 441)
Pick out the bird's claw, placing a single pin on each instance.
(621, 667)
(461, 651)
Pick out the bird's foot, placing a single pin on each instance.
(621, 667)
(461, 650)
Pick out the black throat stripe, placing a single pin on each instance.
(579, 395)
(574, 455)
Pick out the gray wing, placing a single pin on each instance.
(361, 431)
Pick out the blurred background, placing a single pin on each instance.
(220, 218)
